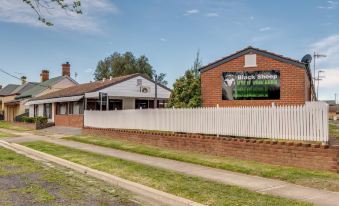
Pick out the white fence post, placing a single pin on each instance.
(306, 123)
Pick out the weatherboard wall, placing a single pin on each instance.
(130, 88)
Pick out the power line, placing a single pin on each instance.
(37, 84)
(3, 71)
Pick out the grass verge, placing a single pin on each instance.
(27, 182)
(6, 134)
(194, 188)
(309, 178)
(334, 130)
(11, 126)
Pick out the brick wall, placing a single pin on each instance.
(25, 124)
(294, 84)
(312, 156)
(69, 120)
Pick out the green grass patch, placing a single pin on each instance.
(27, 182)
(6, 134)
(194, 188)
(334, 130)
(11, 126)
(309, 178)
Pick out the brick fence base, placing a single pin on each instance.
(304, 155)
(25, 124)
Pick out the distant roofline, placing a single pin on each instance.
(39, 84)
(130, 76)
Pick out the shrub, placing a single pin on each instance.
(38, 120)
(27, 119)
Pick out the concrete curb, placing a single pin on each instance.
(149, 194)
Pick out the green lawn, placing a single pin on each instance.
(315, 179)
(194, 188)
(334, 130)
(6, 134)
(27, 182)
(11, 126)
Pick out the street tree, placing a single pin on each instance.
(123, 64)
(187, 89)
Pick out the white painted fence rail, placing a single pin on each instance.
(306, 123)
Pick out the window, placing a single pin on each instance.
(76, 108)
(36, 110)
(250, 60)
(103, 101)
(144, 104)
(71, 108)
(162, 103)
(139, 82)
(61, 108)
(115, 104)
(48, 110)
(94, 104)
(64, 108)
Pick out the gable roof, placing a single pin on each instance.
(24, 87)
(40, 87)
(8, 90)
(248, 50)
(81, 89)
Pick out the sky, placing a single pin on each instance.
(169, 33)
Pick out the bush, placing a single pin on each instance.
(27, 119)
(39, 120)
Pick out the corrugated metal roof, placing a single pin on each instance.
(24, 87)
(38, 88)
(81, 89)
(8, 90)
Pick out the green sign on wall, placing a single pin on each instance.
(258, 85)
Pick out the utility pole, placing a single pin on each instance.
(336, 103)
(156, 92)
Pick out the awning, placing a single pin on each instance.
(12, 102)
(60, 99)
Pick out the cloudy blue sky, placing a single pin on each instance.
(169, 33)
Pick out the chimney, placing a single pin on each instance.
(44, 76)
(23, 80)
(66, 69)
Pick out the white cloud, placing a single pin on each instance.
(191, 12)
(329, 5)
(163, 39)
(212, 14)
(16, 11)
(251, 18)
(331, 78)
(265, 29)
(328, 46)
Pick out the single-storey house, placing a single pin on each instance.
(66, 107)
(9, 92)
(14, 103)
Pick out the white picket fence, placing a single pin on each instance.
(306, 123)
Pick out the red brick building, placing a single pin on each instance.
(255, 77)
